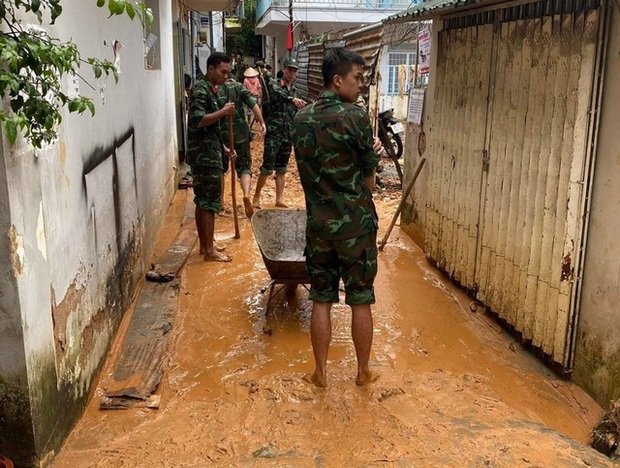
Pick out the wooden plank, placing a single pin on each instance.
(140, 365)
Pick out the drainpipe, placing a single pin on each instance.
(211, 31)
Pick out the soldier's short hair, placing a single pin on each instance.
(339, 62)
(216, 58)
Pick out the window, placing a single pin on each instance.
(395, 60)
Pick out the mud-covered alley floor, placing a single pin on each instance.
(455, 390)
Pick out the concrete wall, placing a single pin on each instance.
(79, 220)
(597, 359)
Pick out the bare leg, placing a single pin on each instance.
(321, 335)
(280, 183)
(260, 183)
(201, 238)
(361, 330)
(202, 241)
(246, 180)
(208, 227)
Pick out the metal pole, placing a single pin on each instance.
(211, 31)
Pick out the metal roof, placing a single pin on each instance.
(427, 10)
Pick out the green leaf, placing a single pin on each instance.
(91, 107)
(131, 12)
(148, 16)
(100, 3)
(11, 131)
(35, 5)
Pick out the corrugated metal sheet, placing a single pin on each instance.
(511, 230)
(425, 10)
(456, 140)
(301, 83)
(534, 193)
(316, 52)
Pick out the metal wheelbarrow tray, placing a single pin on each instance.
(281, 238)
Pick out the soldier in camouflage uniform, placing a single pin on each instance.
(205, 150)
(282, 103)
(238, 94)
(337, 156)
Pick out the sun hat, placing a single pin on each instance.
(250, 72)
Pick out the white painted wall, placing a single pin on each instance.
(87, 210)
(597, 359)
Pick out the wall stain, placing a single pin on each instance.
(15, 245)
(60, 315)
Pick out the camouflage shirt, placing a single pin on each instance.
(333, 148)
(238, 94)
(280, 108)
(204, 145)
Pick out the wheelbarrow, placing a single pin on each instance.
(281, 238)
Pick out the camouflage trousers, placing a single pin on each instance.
(354, 260)
(243, 163)
(276, 154)
(208, 188)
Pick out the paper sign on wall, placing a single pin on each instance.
(424, 46)
(416, 105)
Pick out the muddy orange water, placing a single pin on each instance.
(455, 390)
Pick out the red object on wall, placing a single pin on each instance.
(5, 462)
(289, 37)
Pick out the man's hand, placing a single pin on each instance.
(378, 147)
(229, 108)
(263, 128)
(230, 154)
(299, 103)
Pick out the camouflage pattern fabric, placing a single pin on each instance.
(281, 108)
(243, 163)
(334, 151)
(276, 155)
(240, 69)
(208, 189)
(234, 92)
(354, 260)
(204, 145)
(281, 112)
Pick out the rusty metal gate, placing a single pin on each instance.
(506, 205)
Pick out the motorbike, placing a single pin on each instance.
(390, 133)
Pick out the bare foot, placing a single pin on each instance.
(247, 205)
(219, 248)
(217, 257)
(281, 205)
(256, 203)
(365, 378)
(316, 380)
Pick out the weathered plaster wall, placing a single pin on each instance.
(597, 359)
(14, 399)
(83, 215)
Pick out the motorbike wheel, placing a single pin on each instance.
(397, 144)
(387, 142)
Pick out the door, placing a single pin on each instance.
(505, 218)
